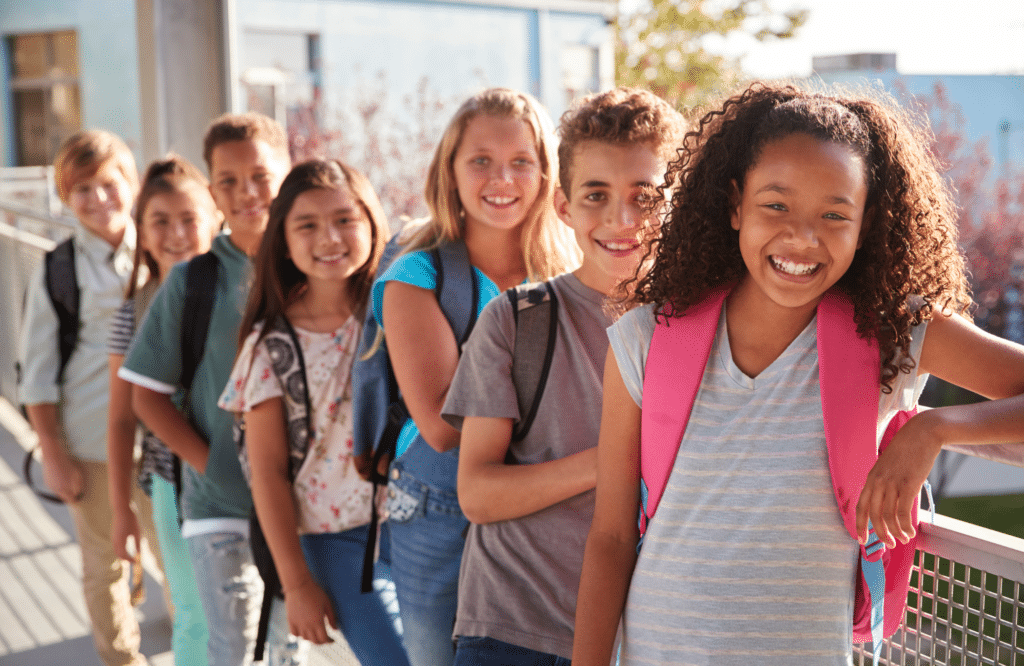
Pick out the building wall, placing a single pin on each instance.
(107, 51)
(990, 104)
(459, 48)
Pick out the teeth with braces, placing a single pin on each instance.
(794, 267)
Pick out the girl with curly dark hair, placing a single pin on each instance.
(782, 198)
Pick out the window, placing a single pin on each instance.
(579, 71)
(280, 72)
(44, 91)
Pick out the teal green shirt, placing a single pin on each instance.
(154, 361)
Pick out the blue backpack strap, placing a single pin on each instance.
(451, 261)
(373, 385)
(873, 572)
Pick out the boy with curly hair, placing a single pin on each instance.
(530, 497)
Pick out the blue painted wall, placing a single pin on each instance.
(987, 101)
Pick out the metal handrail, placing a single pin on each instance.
(33, 214)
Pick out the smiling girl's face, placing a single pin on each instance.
(328, 234)
(800, 219)
(177, 225)
(497, 171)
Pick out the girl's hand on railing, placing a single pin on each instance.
(895, 480)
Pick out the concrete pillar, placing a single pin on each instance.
(186, 72)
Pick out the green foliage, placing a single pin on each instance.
(660, 46)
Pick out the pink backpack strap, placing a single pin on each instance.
(665, 410)
(848, 372)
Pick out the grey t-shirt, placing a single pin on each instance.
(747, 560)
(519, 577)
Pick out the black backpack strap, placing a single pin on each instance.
(299, 391)
(264, 562)
(26, 468)
(535, 312)
(61, 281)
(200, 290)
(296, 401)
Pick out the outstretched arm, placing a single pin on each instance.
(267, 442)
(611, 546)
(490, 490)
(121, 426)
(960, 353)
(424, 355)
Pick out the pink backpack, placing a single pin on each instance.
(848, 371)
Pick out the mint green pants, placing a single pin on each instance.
(189, 635)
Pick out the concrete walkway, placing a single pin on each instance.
(43, 621)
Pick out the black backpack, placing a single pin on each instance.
(61, 281)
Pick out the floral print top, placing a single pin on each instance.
(329, 494)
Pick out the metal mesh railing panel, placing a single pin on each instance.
(957, 615)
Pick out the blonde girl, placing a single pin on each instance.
(175, 219)
(490, 185)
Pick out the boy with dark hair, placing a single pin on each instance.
(530, 494)
(64, 383)
(247, 156)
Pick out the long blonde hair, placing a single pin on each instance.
(547, 245)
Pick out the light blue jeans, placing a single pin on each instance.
(189, 634)
(369, 621)
(231, 591)
(427, 540)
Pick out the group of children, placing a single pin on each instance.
(523, 395)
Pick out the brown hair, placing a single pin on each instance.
(621, 116)
(278, 282)
(82, 155)
(547, 246)
(173, 173)
(910, 247)
(250, 126)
